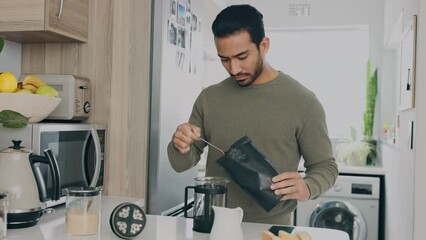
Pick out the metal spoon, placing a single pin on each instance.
(210, 144)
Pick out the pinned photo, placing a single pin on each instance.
(194, 23)
(181, 38)
(172, 33)
(181, 14)
(173, 9)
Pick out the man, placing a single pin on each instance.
(283, 119)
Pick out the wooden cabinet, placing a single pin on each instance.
(37, 21)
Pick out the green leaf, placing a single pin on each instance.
(1, 43)
(12, 119)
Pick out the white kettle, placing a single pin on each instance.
(21, 177)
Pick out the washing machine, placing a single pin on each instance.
(351, 205)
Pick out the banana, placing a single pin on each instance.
(31, 87)
(33, 80)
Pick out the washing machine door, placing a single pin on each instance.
(340, 215)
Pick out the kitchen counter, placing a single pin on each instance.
(52, 227)
(355, 170)
(361, 170)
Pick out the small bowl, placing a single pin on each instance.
(36, 107)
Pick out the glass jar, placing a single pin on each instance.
(3, 214)
(83, 211)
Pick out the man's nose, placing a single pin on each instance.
(234, 67)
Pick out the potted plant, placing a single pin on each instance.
(371, 96)
(362, 152)
(353, 151)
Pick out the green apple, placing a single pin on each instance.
(24, 90)
(47, 90)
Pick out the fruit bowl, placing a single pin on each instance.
(36, 107)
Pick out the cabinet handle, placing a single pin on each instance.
(60, 9)
(408, 87)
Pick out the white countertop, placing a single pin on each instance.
(364, 170)
(52, 227)
(358, 170)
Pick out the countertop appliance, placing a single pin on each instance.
(21, 178)
(176, 65)
(351, 205)
(78, 148)
(75, 94)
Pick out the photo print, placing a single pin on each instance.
(172, 32)
(173, 9)
(179, 59)
(181, 37)
(181, 14)
(194, 22)
(188, 11)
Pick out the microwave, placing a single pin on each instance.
(79, 149)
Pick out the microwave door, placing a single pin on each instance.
(92, 158)
(68, 148)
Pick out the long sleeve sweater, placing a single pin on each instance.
(284, 120)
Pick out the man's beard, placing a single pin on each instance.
(257, 72)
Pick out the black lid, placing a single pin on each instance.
(127, 220)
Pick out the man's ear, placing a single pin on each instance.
(264, 45)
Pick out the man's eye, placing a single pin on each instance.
(224, 59)
(242, 57)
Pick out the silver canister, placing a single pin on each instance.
(3, 214)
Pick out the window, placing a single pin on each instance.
(331, 62)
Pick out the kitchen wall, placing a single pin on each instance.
(420, 129)
(10, 58)
(278, 14)
(213, 69)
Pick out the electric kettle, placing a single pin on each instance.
(21, 177)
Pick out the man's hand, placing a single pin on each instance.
(184, 136)
(291, 186)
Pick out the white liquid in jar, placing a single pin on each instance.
(82, 223)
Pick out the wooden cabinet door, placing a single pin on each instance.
(38, 21)
(21, 15)
(71, 21)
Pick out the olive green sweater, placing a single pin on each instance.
(283, 119)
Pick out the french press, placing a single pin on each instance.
(208, 192)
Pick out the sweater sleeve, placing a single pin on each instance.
(181, 162)
(321, 168)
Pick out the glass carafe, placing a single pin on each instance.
(208, 192)
(83, 211)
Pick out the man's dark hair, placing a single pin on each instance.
(236, 18)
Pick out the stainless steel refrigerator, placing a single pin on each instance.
(177, 62)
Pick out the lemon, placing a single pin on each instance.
(8, 82)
